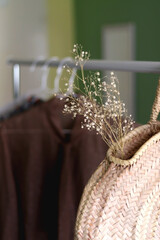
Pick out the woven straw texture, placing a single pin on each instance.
(122, 198)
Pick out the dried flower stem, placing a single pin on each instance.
(100, 104)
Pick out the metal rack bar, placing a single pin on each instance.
(16, 80)
(126, 66)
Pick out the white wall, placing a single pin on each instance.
(23, 34)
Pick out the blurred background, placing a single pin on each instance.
(108, 29)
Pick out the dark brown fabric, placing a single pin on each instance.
(43, 173)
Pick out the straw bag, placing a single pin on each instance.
(122, 198)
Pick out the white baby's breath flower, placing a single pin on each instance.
(100, 104)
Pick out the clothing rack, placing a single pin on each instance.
(126, 66)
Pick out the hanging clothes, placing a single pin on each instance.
(43, 173)
(18, 106)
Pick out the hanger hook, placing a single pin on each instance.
(35, 62)
(46, 71)
(59, 73)
(71, 81)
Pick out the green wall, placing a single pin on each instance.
(92, 15)
(61, 34)
(60, 27)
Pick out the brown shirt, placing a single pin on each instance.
(43, 173)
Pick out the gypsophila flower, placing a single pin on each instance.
(99, 104)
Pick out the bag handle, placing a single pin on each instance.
(156, 106)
